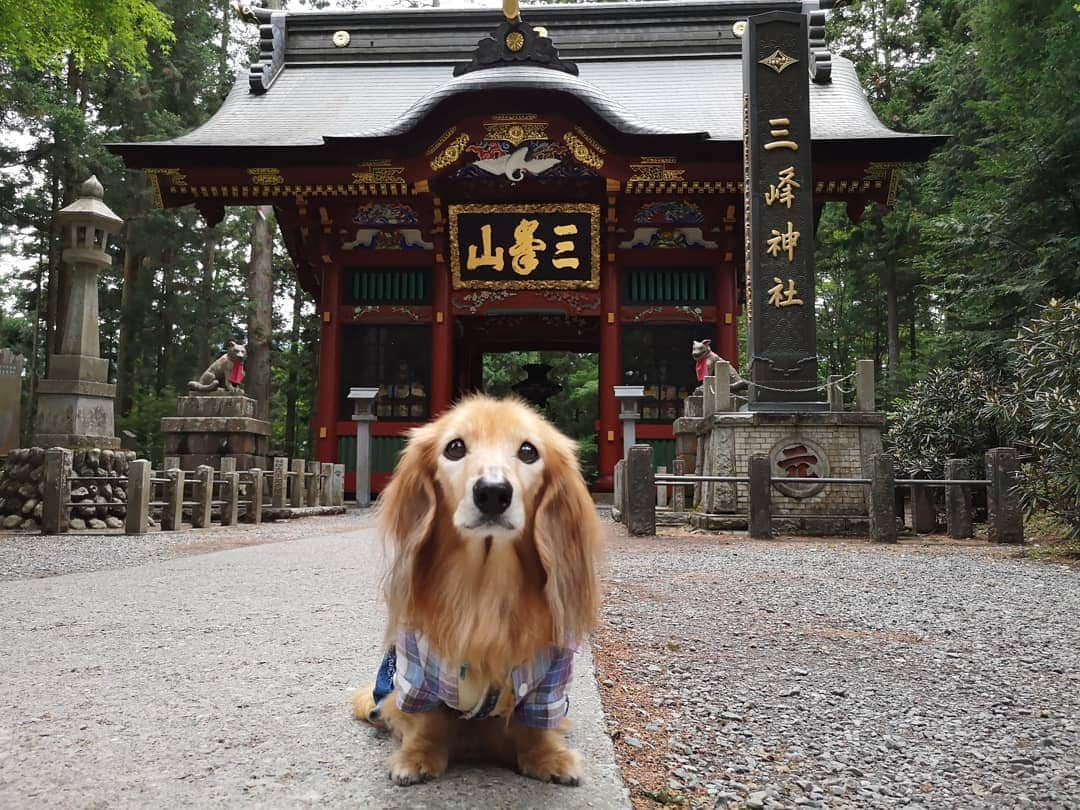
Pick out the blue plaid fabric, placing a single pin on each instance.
(422, 683)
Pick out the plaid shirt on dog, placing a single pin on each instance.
(422, 682)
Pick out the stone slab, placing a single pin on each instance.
(11, 368)
(805, 525)
(221, 405)
(76, 441)
(214, 424)
(665, 518)
(709, 522)
(216, 443)
(84, 387)
(807, 418)
(78, 367)
(821, 525)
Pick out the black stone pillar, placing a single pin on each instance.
(779, 212)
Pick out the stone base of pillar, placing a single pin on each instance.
(75, 413)
(208, 429)
(810, 525)
(805, 445)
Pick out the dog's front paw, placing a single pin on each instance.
(411, 768)
(364, 707)
(559, 765)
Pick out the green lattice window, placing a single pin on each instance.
(388, 286)
(663, 453)
(384, 452)
(683, 287)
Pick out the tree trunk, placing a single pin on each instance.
(77, 95)
(168, 309)
(53, 283)
(35, 340)
(892, 326)
(260, 311)
(130, 326)
(291, 392)
(207, 352)
(913, 340)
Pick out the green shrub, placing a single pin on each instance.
(941, 417)
(1041, 407)
(144, 420)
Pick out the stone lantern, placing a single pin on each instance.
(75, 401)
(629, 398)
(363, 400)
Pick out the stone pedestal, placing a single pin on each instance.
(75, 404)
(209, 429)
(805, 445)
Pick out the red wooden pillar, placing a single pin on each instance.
(609, 442)
(329, 392)
(727, 325)
(442, 340)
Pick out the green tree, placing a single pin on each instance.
(91, 32)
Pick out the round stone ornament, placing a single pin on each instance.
(797, 457)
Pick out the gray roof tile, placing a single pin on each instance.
(640, 97)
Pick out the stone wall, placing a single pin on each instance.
(100, 504)
(834, 445)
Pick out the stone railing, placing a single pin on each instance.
(172, 499)
(641, 496)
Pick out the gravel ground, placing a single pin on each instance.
(839, 674)
(147, 672)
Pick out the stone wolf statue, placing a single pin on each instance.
(225, 373)
(705, 360)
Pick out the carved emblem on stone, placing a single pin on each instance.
(798, 458)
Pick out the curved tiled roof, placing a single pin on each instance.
(662, 97)
(680, 73)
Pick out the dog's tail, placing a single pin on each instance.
(204, 388)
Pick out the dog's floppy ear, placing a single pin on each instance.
(566, 532)
(406, 512)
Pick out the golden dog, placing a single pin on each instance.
(492, 584)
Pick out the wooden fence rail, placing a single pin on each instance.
(228, 496)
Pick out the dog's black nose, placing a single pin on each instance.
(492, 498)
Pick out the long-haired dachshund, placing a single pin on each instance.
(492, 585)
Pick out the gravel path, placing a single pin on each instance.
(815, 674)
(160, 675)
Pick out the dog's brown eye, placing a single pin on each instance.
(455, 451)
(528, 453)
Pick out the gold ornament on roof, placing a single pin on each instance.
(511, 10)
(266, 177)
(515, 41)
(778, 61)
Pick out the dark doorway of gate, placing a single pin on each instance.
(551, 360)
(563, 385)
